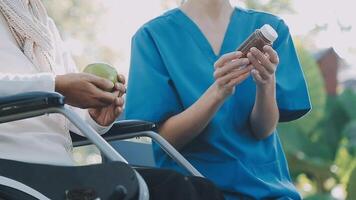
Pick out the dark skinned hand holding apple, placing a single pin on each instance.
(99, 89)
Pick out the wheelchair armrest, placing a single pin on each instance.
(131, 126)
(135, 128)
(119, 128)
(28, 102)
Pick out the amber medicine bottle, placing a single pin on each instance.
(266, 35)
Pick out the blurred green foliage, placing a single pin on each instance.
(273, 6)
(76, 18)
(79, 21)
(351, 187)
(322, 144)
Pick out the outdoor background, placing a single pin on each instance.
(321, 147)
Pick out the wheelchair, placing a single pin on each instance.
(39, 181)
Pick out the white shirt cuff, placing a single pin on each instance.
(11, 84)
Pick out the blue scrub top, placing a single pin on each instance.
(172, 66)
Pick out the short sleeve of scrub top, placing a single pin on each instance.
(292, 94)
(172, 65)
(151, 81)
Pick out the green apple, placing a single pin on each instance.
(102, 70)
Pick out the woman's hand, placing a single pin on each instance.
(85, 90)
(264, 65)
(230, 70)
(108, 114)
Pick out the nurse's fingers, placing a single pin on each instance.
(273, 56)
(257, 77)
(258, 66)
(238, 80)
(263, 59)
(227, 58)
(236, 64)
(233, 75)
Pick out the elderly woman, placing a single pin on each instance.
(33, 58)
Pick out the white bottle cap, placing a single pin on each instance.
(269, 33)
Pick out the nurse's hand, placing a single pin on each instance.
(108, 114)
(230, 70)
(85, 90)
(264, 65)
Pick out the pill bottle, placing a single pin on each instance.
(266, 35)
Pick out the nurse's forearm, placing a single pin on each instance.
(265, 115)
(184, 127)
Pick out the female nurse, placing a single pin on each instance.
(219, 109)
